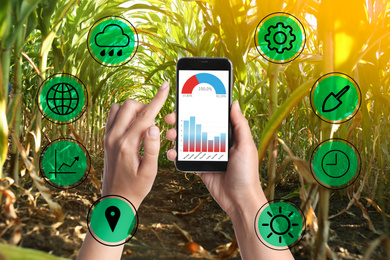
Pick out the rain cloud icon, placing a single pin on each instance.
(112, 36)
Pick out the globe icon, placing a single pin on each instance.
(62, 99)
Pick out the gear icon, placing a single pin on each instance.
(280, 38)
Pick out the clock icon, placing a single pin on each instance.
(335, 163)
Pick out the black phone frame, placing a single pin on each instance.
(203, 63)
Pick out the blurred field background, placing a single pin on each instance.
(39, 38)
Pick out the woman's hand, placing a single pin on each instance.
(126, 173)
(240, 184)
(238, 190)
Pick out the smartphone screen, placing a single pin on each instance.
(203, 105)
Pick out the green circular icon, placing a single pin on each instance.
(112, 220)
(335, 98)
(112, 41)
(279, 225)
(335, 164)
(62, 98)
(280, 38)
(65, 163)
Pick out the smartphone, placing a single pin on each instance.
(203, 100)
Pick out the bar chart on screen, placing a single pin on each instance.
(196, 140)
(200, 142)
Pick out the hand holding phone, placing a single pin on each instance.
(239, 187)
(238, 190)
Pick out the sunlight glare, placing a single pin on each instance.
(344, 43)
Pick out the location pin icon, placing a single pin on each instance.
(112, 216)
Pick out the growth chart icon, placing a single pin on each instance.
(64, 163)
(57, 170)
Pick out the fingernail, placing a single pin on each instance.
(154, 132)
(164, 85)
(238, 105)
(168, 155)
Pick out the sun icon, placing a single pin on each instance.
(280, 225)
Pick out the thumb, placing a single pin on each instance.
(151, 151)
(241, 130)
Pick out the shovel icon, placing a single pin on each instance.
(332, 101)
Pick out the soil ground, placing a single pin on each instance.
(161, 233)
